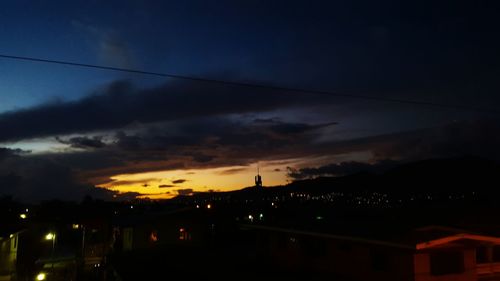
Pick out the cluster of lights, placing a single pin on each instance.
(362, 199)
(419, 198)
(251, 218)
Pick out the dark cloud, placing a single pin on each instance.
(236, 143)
(179, 181)
(296, 128)
(187, 191)
(202, 158)
(266, 120)
(7, 152)
(232, 171)
(477, 138)
(473, 138)
(340, 169)
(166, 185)
(83, 142)
(129, 182)
(120, 104)
(30, 179)
(214, 142)
(233, 142)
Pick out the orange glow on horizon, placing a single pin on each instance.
(168, 184)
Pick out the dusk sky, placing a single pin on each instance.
(65, 130)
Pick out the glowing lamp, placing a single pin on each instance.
(50, 236)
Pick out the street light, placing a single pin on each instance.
(41, 276)
(50, 236)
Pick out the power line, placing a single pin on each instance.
(252, 85)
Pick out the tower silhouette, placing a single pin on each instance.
(258, 178)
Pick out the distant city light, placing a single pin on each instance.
(11, 236)
(131, 206)
(41, 276)
(261, 216)
(183, 234)
(27, 210)
(23, 216)
(75, 226)
(50, 236)
(197, 206)
(319, 217)
(209, 206)
(250, 218)
(154, 236)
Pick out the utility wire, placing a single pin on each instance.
(252, 85)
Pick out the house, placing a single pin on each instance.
(183, 226)
(425, 254)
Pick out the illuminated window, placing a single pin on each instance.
(184, 234)
(153, 237)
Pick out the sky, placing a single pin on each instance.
(67, 132)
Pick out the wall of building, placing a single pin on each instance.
(354, 261)
(8, 255)
(423, 268)
(167, 231)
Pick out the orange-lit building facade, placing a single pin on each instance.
(457, 257)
